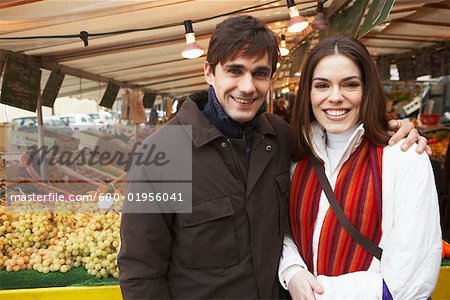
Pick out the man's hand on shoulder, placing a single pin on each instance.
(406, 129)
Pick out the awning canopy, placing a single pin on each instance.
(149, 55)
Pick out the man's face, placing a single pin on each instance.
(241, 86)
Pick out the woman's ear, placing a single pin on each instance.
(209, 76)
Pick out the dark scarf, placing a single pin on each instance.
(229, 128)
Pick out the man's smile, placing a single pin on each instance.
(244, 100)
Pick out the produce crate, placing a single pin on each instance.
(50, 139)
(430, 119)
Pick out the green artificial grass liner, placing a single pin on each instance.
(75, 277)
(33, 279)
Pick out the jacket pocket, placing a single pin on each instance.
(207, 237)
(283, 191)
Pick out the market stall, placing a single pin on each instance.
(60, 243)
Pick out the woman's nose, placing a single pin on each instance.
(335, 94)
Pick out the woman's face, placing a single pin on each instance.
(336, 93)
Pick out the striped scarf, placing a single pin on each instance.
(358, 191)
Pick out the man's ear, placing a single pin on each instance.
(209, 76)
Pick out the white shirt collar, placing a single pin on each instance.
(318, 139)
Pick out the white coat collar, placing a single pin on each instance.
(318, 139)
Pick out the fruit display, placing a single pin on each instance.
(19, 188)
(26, 186)
(108, 169)
(72, 178)
(438, 142)
(445, 250)
(91, 173)
(48, 242)
(58, 241)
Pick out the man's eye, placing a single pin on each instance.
(261, 74)
(234, 71)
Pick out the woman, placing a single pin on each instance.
(387, 194)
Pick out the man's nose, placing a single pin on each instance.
(247, 85)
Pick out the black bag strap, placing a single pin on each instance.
(356, 235)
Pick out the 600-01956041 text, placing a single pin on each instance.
(142, 197)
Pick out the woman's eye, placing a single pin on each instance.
(320, 85)
(352, 85)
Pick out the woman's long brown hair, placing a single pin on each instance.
(373, 105)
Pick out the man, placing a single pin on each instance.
(280, 109)
(230, 245)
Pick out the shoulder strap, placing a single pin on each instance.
(367, 244)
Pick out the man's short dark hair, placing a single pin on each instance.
(242, 36)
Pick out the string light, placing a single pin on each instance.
(283, 49)
(171, 25)
(191, 50)
(296, 22)
(84, 37)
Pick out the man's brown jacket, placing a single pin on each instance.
(230, 245)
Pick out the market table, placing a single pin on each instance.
(442, 290)
(83, 286)
(67, 293)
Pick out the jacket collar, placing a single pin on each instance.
(264, 126)
(203, 131)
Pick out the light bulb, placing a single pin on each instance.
(283, 49)
(191, 50)
(296, 22)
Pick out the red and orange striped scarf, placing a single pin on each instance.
(358, 191)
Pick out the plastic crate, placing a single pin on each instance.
(432, 119)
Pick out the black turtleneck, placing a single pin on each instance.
(214, 113)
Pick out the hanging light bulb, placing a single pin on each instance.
(321, 22)
(283, 49)
(296, 22)
(285, 90)
(191, 50)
